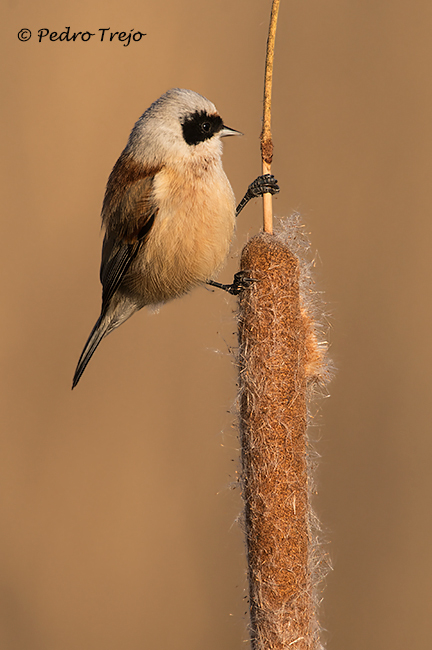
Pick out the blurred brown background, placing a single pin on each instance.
(118, 524)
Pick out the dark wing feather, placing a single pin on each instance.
(117, 258)
(115, 268)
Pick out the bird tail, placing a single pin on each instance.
(101, 329)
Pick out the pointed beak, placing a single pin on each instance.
(227, 131)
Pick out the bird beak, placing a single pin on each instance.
(227, 131)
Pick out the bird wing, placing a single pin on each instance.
(117, 258)
(128, 213)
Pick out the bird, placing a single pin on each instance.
(168, 212)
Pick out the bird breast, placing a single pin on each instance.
(192, 232)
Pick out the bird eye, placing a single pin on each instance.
(206, 127)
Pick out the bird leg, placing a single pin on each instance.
(261, 185)
(266, 184)
(240, 283)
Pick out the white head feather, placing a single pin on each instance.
(157, 137)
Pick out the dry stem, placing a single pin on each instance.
(266, 137)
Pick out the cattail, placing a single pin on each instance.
(281, 360)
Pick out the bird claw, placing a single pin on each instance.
(241, 282)
(266, 184)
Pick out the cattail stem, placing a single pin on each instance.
(266, 136)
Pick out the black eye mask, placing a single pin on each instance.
(200, 126)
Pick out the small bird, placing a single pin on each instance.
(168, 212)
